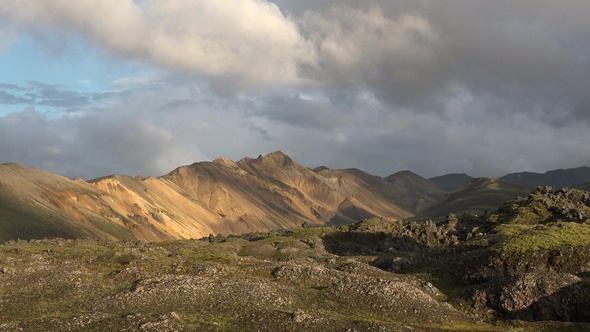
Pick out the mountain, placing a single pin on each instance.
(450, 182)
(414, 191)
(560, 178)
(225, 197)
(38, 204)
(254, 194)
(478, 196)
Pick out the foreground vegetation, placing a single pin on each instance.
(522, 268)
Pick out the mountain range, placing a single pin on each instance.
(251, 195)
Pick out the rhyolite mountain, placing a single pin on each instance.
(223, 197)
(253, 194)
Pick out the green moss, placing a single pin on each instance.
(546, 236)
(512, 229)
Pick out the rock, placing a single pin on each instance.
(539, 296)
(299, 316)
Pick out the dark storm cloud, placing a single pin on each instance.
(401, 59)
(527, 55)
(260, 131)
(297, 111)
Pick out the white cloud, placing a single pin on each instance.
(250, 41)
(396, 57)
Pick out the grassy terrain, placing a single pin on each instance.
(545, 236)
(274, 282)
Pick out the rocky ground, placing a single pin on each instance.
(468, 273)
(279, 283)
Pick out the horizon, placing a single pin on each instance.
(307, 166)
(484, 89)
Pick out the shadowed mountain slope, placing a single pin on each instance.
(38, 204)
(414, 191)
(560, 178)
(450, 182)
(477, 196)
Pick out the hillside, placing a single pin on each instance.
(479, 196)
(38, 204)
(560, 178)
(254, 194)
(450, 182)
(414, 191)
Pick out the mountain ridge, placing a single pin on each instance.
(192, 201)
(222, 197)
(559, 178)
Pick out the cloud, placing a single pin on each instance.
(408, 54)
(129, 135)
(57, 96)
(11, 99)
(249, 41)
(456, 86)
(398, 58)
(35, 93)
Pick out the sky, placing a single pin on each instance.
(139, 87)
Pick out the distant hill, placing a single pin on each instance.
(414, 191)
(478, 196)
(450, 182)
(560, 178)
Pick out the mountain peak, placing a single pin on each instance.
(320, 168)
(224, 161)
(452, 181)
(15, 166)
(277, 158)
(403, 174)
(276, 155)
(481, 181)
